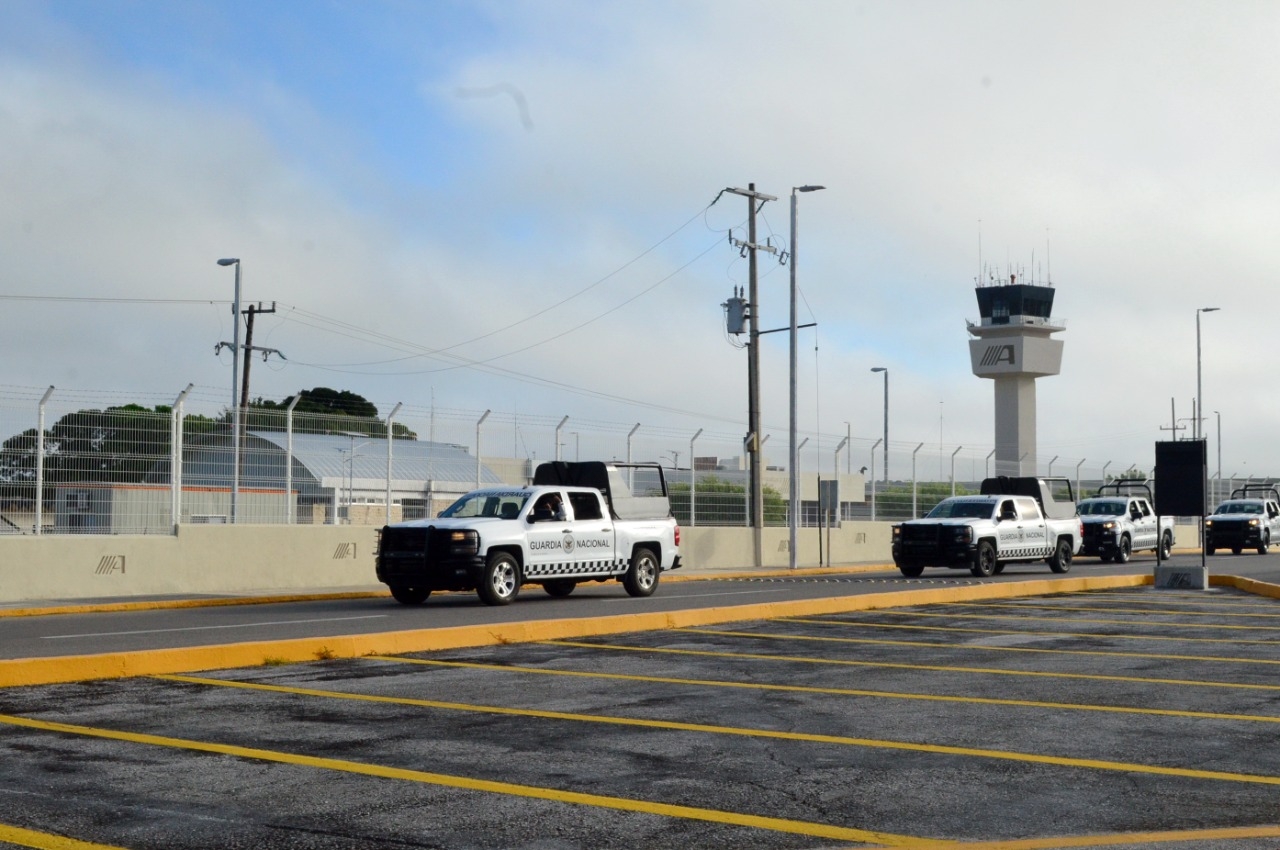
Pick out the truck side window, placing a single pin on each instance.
(1007, 511)
(585, 506)
(1029, 508)
(548, 507)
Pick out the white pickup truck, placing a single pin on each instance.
(1250, 519)
(1118, 523)
(577, 522)
(1013, 520)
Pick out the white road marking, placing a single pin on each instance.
(207, 628)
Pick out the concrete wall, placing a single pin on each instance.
(218, 559)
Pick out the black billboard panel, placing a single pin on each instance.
(1180, 471)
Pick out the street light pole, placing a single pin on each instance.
(1199, 403)
(886, 419)
(793, 462)
(235, 389)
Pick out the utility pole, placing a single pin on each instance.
(756, 501)
(248, 346)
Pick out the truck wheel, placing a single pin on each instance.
(911, 570)
(1124, 550)
(1210, 550)
(984, 560)
(560, 587)
(641, 578)
(1266, 541)
(999, 568)
(1236, 550)
(1061, 560)
(500, 581)
(1106, 559)
(1166, 546)
(409, 595)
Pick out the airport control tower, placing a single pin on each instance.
(1012, 346)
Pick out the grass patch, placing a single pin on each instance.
(324, 653)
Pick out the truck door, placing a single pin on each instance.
(1144, 524)
(545, 539)
(1033, 539)
(591, 539)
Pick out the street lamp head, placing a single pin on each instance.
(879, 369)
(808, 188)
(230, 261)
(1208, 309)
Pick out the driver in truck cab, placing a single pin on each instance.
(548, 508)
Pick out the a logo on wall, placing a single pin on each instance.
(568, 543)
(109, 564)
(997, 354)
(344, 550)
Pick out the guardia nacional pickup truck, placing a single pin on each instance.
(1250, 519)
(1013, 520)
(1119, 522)
(577, 522)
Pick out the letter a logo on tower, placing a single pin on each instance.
(997, 354)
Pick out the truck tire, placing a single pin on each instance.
(1123, 549)
(910, 570)
(1266, 541)
(1236, 550)
(641, 578)
(1210, 550)
(984, 559)
(409, 595)
(1062, 553)
(1166, 545)
(500, 581)
(560, 587)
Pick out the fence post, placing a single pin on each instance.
(40, 460)
(693, 482)
(175, 458)
(391, 416)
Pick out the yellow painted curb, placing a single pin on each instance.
(43, 671)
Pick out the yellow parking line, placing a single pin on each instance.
(819, 830)
(1044, 606)
(952, 615)
(1126, 838)
(46, 841)
(855, 692)
(807, 737)
(1114, 653)
(940, 668)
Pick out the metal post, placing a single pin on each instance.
(235, 389)
(558, 427)
(953, 469)
(631, 473)
(391, 416)
(1078, 465)
(1104, 471)
(987, 466)
(873, 480)
(914, 512)
(835, 474)
(480, 422)
(40, 461)
(1050, 475)
(288, 458)
(693, 483)
(175, 458)
(886, 419)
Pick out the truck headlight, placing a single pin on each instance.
(1208, 523)
(1253, 522)
(464, 542)
(1108, 525)
(897, 531)
(964, 535)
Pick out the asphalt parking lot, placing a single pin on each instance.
(1132, 717)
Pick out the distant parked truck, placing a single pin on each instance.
(1119, 522)
(1250, 519)
(577, 522)
(1014, 520)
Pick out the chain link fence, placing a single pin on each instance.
(128, 463)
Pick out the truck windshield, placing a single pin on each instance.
(1101, 508)
(1240, 508)
(961, 510)
(487, 504)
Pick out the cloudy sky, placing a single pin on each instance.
(509, 206)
